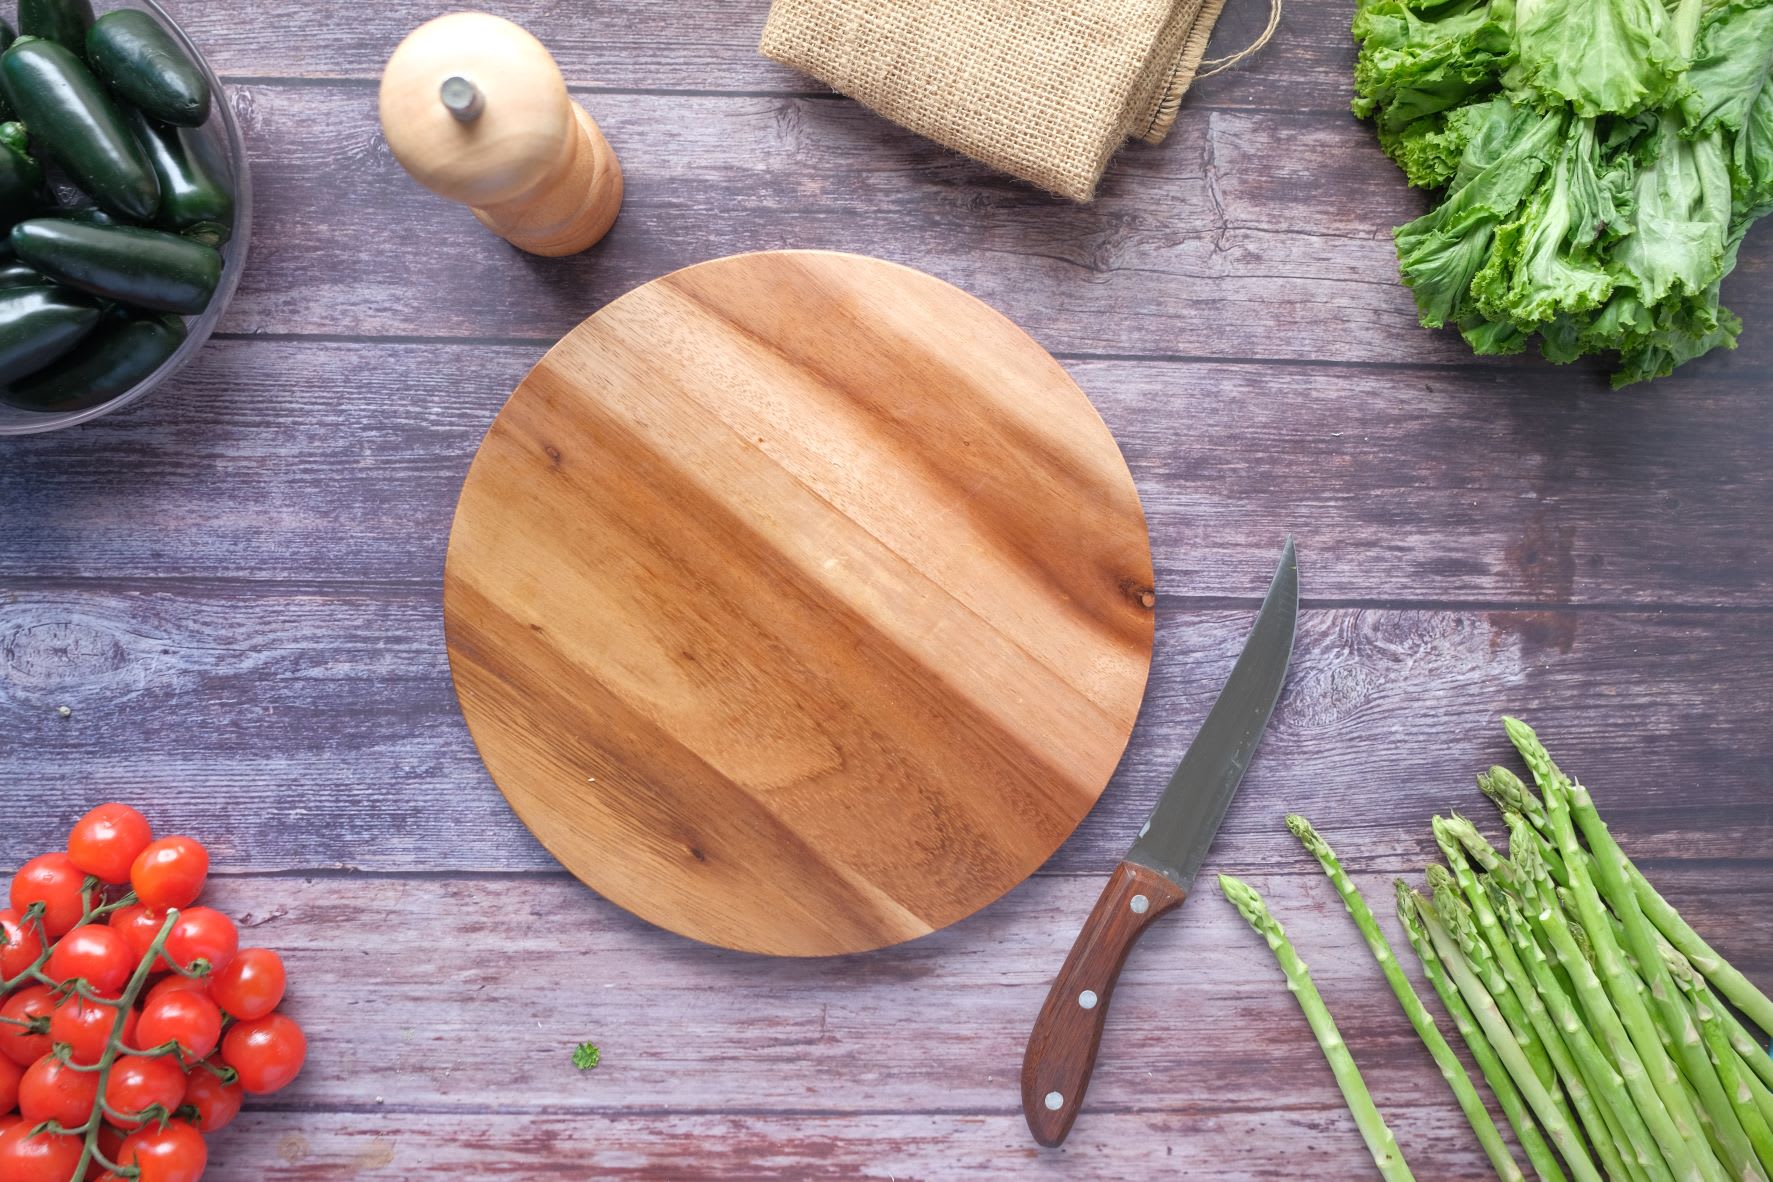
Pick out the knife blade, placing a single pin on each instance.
(1159, 869)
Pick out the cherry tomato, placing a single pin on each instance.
(20, 945)
(175, 1153)
(217, 1103)
(205, 934)
(170, 872)
(54, 881)
(268, 1052)
(95, 954)
(137, 1083)
(184, 1016)
(139, 928)
(105, 842)
(175, 984)
(85, 1027)
(10, 1073)
(252, 984)
(47, 1157)
(51, 1090)
(22, 1045)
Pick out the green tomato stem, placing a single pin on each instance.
(114, 1047)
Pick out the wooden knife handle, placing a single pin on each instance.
(1062, 1050)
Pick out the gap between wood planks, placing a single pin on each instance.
(297, 82)
(272, 1104)
(543, 874)
(1475, 367)
(1171, 603)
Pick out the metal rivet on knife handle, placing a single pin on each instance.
(1062, 1050)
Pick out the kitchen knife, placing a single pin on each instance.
(1159, 869)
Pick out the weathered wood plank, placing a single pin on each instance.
(1258, 1146)
(1250, 235)
(325, 721)
(479, 988)
(707, 45)
(313, 461)
(684, 1027)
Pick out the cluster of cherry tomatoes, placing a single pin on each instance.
(131, 1021)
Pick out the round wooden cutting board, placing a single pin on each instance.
(799, 603)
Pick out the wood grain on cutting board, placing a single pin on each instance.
(800, 603)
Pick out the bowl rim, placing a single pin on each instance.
(202, 326)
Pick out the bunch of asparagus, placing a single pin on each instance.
(1618, 1043)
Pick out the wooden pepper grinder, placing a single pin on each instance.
(476, 110)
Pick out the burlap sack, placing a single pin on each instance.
(1045, 90)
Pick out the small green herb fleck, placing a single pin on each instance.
(586, 1056)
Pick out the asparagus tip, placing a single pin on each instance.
(1406, 906)
(1238, 892)
(1309, 837)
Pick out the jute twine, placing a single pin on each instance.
(1046, 90)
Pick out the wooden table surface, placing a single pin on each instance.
(235, 588)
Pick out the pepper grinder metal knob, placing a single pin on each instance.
(475, 109)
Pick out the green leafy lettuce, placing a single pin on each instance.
(1600, 160)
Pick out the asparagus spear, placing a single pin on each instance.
(1668, 1043)
(1450, 1068)
(1580, 938)
(1507, 790)
(1628, 1125)
(1742, 1052)
(1512, 796)
(1754, 1060)
(1729, 1067)
(1475, 847)
(1740, 991)
(1455, 916)
(1488, 926)
(1526, 1131)
(1682, 1149)
(1620, 981)
(1750, 1053)
(1634, 1169)
(1669, 927)
(1377, 1134)
(1525, 1012)
(1609, 863)
(1489, 1016)
(1763, 1095)
(1502, 901)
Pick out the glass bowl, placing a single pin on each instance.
(222, 147)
